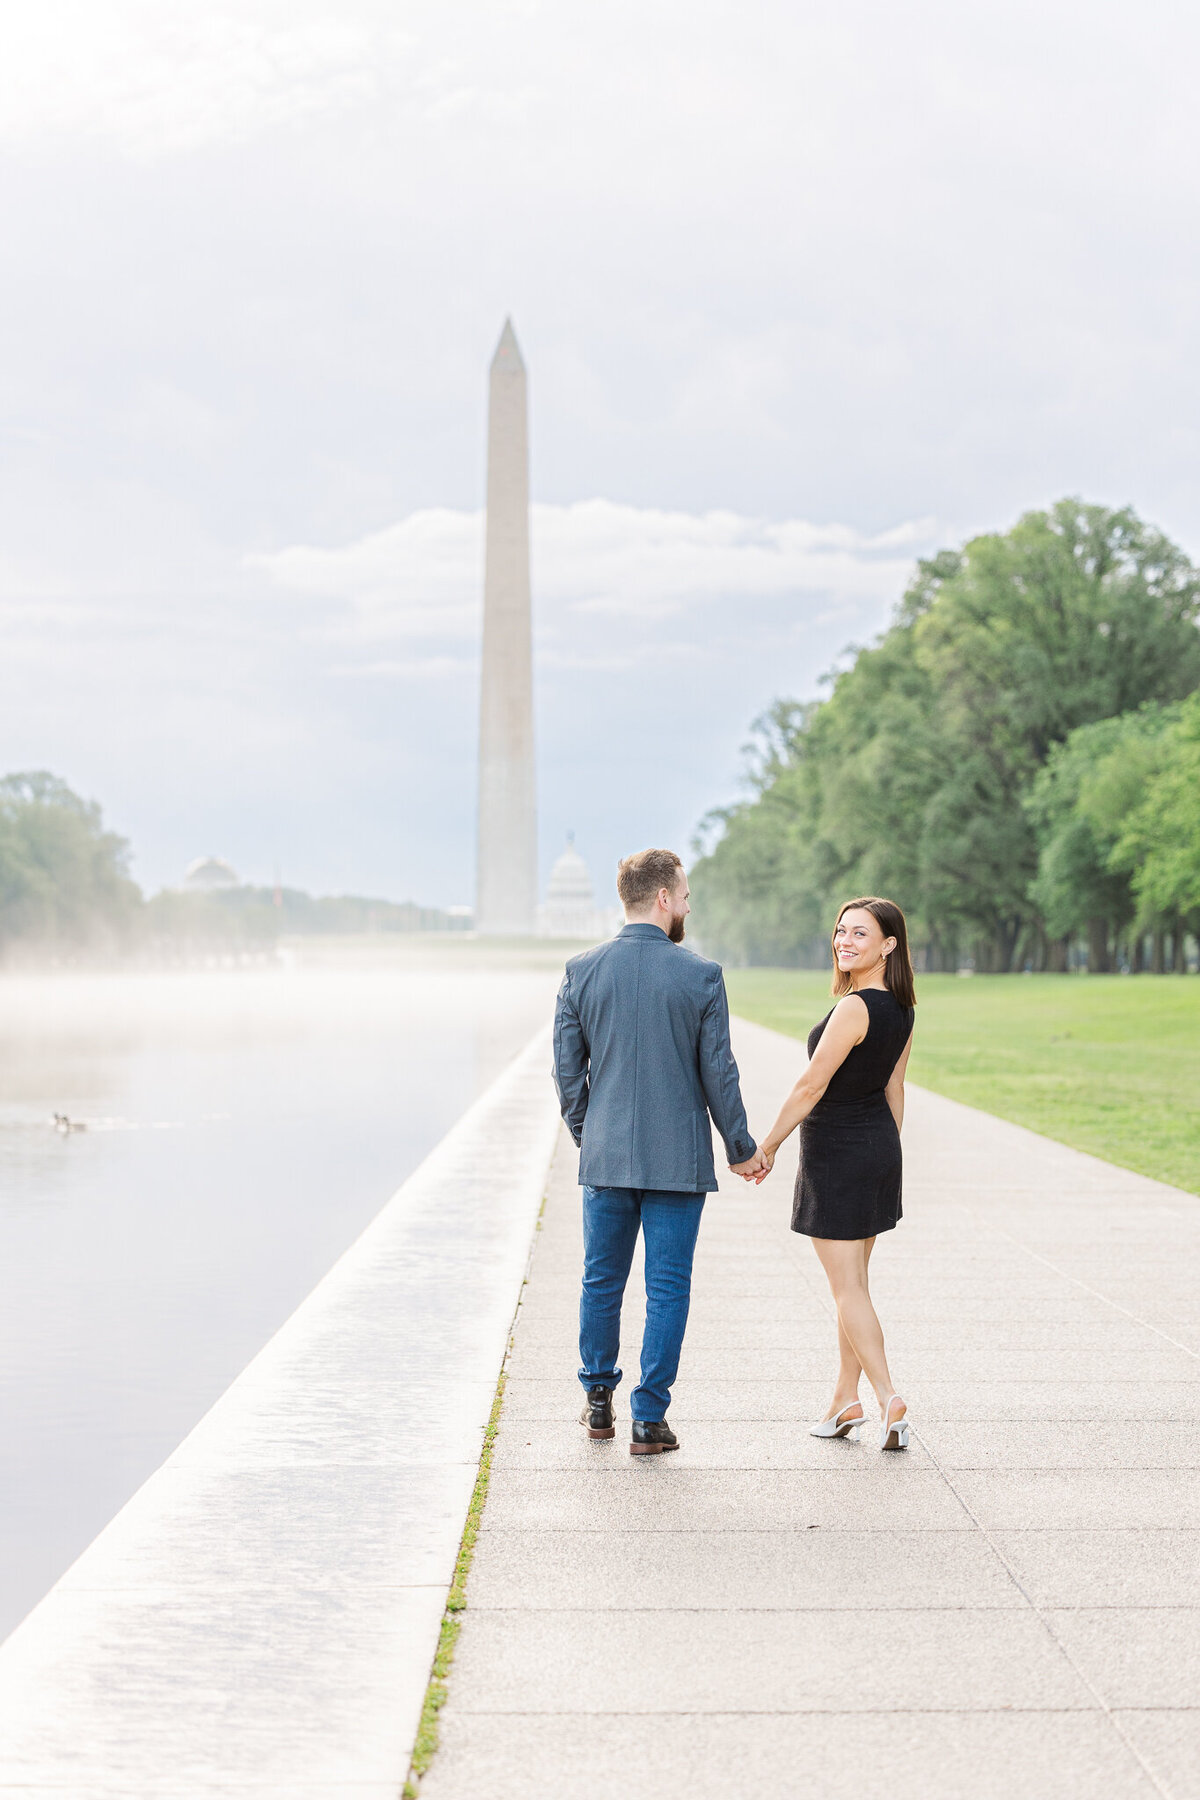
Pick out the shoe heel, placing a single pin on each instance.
(893, 1433)
(837, 1427)
(602, 1431)
(646, 1449)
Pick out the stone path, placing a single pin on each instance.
(1011, 1609)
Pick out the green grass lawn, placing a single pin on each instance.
(1107, 1063)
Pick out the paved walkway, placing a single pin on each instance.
(1011, 1609)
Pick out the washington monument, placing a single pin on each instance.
(506, 878)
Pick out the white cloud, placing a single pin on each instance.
(620, 560)
(417, 579)
(420, 580)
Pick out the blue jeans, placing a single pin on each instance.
(669, 1223)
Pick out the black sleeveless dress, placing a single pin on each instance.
(848, 1185)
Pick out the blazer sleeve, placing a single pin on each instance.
(570, 1061)
(719, 1075)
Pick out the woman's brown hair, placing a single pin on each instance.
(897, 968)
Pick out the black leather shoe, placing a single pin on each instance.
(651, 1437)
(597, 1415)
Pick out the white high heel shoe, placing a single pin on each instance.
(839, 1426)
(893, 1433)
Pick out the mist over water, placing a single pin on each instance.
(242, 1128)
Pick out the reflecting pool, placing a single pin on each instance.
(240, 1129)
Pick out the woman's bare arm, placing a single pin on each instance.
(847, 1027)
(895, 1086)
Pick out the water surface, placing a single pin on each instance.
(242, 1128)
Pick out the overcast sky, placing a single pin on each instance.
(804, 291)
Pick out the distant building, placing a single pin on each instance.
(570, 910)
(208, 875)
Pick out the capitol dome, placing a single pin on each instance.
(209, 874)
(570, 883)
(570, 909)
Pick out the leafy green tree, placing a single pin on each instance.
(765, 905)
(1080, 804)
(64, 880)
(913, 777)
(1159, 842)
(1075, 615)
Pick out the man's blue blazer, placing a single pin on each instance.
(642, 1059)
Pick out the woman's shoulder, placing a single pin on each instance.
(852, 1002)
(848, 1007)
(851, 1011)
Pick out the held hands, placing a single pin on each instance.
(756, 1168)
(768, 1163)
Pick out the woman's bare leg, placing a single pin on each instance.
(848, 1377)
(849, 1367)
(845, 1265)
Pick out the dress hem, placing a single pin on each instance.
(839, 1237)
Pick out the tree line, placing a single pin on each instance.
(66, 890)
(1016, 760)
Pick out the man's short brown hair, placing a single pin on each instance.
(640, 876)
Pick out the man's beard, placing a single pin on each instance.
(676, 932)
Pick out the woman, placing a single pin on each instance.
(849, 1105)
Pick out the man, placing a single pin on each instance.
(641, 1060)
